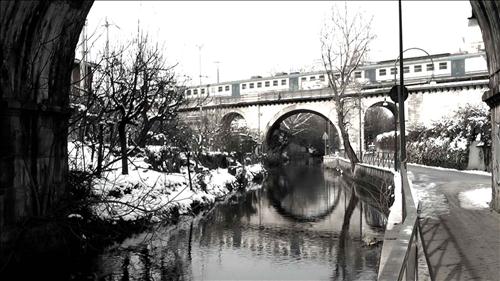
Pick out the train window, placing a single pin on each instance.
(382, 72)
(283, 82)
(417, 68)
(202, 91)
(312, 78)
(394, 70)
(406, 69)
(430, 67)
(303, 78)
(357, 74)
(259, 84)
(443, 65)
(220, 88)
(322, 77)
(243, 86)
(226, 88)
(188, 92)
(195, 91)
(275, 83)
(251, 85)
(267, 83)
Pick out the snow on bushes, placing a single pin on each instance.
(155, 195)
(446, 143)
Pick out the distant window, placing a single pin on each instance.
(195, 91)
(275, 82)
(417, 68)
(259, 84)
(303, 78)
(283, 82)
(406, 69)
(220, 88)
(322, 78)
(443, 65)
(267, 83)
(202, 91)
(243, 86)
(312, 78)
(251, 85)
(357, 74)
(430, 67)
(337, 75)
(226, 88)
(394, 70)
(382, 72)
(188, 92)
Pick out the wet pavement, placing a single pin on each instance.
(462, 243)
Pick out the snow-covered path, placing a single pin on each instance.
(462, 235)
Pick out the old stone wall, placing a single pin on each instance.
(488, 17)
(37, 43)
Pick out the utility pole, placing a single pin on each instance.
(217, 62)
(401, 103)
(199, 59)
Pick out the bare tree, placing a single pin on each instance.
(139, 90)
(297, 123)
(344, 44)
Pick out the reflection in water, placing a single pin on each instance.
(304, 223)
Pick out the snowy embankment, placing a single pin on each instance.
(148, 194)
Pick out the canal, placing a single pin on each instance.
(304, 223)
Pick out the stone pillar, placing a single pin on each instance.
(37, 43)
(488, 17)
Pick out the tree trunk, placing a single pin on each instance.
(345, 137)
(100, 151)
(142, 137)
(123, 146)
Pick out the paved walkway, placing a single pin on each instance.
(462, 244)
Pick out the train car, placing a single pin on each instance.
(432, 67)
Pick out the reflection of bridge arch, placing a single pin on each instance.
(283, 193)
(275, 121)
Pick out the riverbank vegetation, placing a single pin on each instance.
(448, 142)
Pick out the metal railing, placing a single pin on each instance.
(402, 241)
(381, 159)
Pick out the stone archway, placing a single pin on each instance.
(37, 42)
(388, 105)
(276, 120)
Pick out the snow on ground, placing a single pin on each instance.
(475, 172)
(433, 203)
(475, 199)
(148, 193)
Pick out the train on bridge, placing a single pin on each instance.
(427, 68)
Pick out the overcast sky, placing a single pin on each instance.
(262, 37)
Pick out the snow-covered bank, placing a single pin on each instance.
(148, 194)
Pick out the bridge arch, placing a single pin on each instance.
(326, 113)
(230, 115)
(371, 128)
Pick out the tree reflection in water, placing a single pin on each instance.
(296, 227)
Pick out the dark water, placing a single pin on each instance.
(303, 224)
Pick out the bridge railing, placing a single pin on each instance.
(381, 159)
